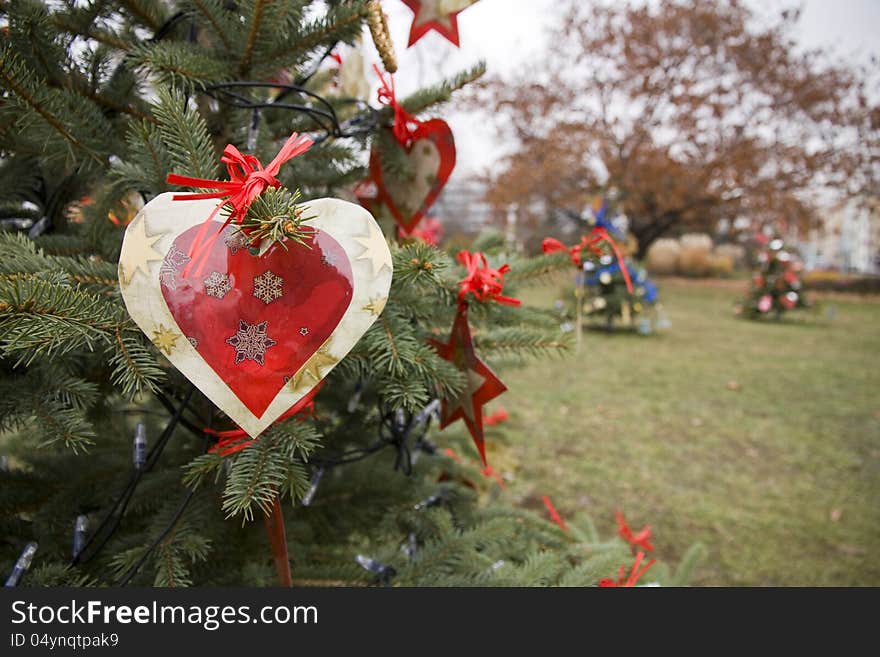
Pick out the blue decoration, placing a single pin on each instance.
(637, 275)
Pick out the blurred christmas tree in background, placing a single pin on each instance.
(609, 288)
(776, 286)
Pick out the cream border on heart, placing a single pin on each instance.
(148, 239)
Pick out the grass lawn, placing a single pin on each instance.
(780, 479)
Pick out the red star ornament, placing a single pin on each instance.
(482, 383)
(435, 15)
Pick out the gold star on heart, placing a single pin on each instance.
(312, 367)
(375, 249)
(376, 305)
(139, 251)
(165, 339)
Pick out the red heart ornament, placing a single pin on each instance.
(432, 158)
(256, 319)
(254, 331)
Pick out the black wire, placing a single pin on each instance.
(223, 92)
(174, 520)
(301, 81)
(326, 117)
(117, 511)
(168, 25)
(391, 434)
(187, 498)
(186, 424)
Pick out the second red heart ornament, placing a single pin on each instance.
(431, 157)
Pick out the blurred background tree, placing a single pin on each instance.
(688, 112)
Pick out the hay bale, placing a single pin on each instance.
(733, 251)
(662, 257)
(694, 258)
(721, 264)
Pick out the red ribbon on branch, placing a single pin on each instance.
(641, 539)
(497, 417)
(235, 440)
(553, 245)
(554, 514)
(405, 124)
(248, 179)
(489, 471)
(232, 441)
(634, 575)
(482, 281)
(589, 243)
(451, 453)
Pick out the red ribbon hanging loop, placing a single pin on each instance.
(405, 124)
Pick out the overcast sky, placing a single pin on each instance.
(508, 34)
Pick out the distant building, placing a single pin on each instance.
(462, 207)
(848, 239)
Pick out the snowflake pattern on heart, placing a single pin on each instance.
(251, 342)
(268, 287)
(245, 313)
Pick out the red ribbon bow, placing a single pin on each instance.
(484, 282)
(248, 179)
(405, 124)
(553, 245)
(591, 244)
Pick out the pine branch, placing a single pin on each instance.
(255, 21)
(149, 13)
(519, 340)
(41, 318)
(16, 79)
(182, 65)
(440, 93)
(147, 162)
(65, 22)
(537, 269)
(64, 425)
(214, 13)
(343, 22)
(134, 367)
(185, 135)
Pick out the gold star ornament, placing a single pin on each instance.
(139, 251)
(312, 368)
(165, 339)
(375, 249)
(376, 306)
